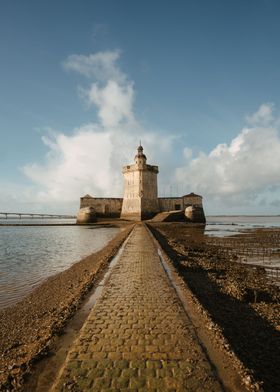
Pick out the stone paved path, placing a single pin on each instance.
(137, 336)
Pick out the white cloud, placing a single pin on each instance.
(110, 92)
(101, 66)
(263, 115)
(241, 171)
(114, 102)
(90, 160)
(74, 165)
(187, 152)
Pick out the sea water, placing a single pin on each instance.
(221, 226)
(30, 254)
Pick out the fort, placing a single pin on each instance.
(141, 201)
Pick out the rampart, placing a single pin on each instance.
(111, 207)
(170, 203)
(104, 207)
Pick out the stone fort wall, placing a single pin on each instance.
(170, 203)
(111, 207)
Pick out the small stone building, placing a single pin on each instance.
(141, 199)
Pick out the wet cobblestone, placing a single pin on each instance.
(137, 337)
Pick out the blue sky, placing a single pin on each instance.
(197, 81)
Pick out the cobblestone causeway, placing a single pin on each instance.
(137, 336)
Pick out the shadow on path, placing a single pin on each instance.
(252, 338)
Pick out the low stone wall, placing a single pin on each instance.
(112, 207)
(170, 203)
(171, 216)
(103, 207)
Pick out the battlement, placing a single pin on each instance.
(131, 168)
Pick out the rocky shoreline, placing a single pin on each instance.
(241, 302)
(27, 328)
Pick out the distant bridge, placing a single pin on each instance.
(27, 215)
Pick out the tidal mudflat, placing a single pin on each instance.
(242, 300)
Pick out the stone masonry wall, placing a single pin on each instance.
(149, 200)
(140, 191)
(192, 200)
(112, 207)
(104, 207)
(131, 202)
(170, 203)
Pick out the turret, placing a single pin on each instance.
(140, 158)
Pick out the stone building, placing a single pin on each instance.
(140, 189)
(141, 199)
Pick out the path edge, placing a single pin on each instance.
(231, 372)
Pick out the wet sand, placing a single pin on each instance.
(27, 329)
(241, 302)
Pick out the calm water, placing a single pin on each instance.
(230, 225)
(30, 254)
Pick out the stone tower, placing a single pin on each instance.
(140, 199)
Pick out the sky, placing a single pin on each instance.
(81, 82)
